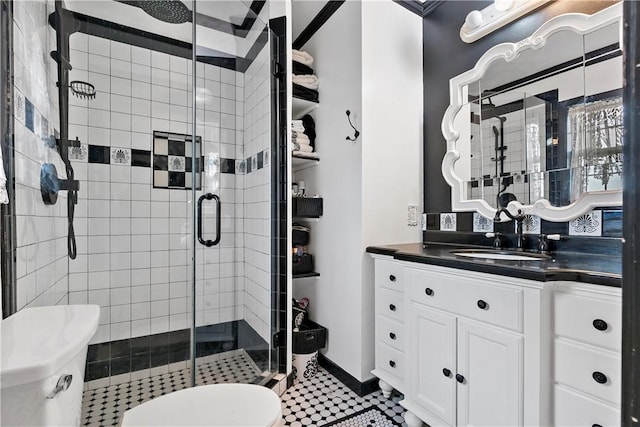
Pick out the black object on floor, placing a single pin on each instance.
(369, 417)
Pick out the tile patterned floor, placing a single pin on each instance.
(312, 402)
(323, 399)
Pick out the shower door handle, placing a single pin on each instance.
(209, 196)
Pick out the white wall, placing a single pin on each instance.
(368, 58)
(41, 263)
(392, 120)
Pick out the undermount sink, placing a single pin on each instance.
(500, 255)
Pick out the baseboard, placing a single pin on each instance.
(361, 388)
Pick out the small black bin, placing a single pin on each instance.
(310, 338)
(302, 264)
(309, 207)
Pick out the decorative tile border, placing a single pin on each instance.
(447, 222)
(610, 220)
(531, 224)
(121, 156)
(482, 224)
(27, 114)
(589, 224)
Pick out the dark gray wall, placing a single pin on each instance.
(446, 56)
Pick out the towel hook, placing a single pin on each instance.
(356, 133)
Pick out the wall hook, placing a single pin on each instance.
(356, 133)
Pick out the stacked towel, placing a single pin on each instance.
(310, 82)
(303, 139)
(301, 69)
(305, 83)
(302, 57)
(297, 126)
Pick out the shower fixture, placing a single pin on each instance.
(169, 11)
(82, 90)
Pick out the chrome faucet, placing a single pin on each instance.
(518, 219)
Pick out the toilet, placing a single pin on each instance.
(210, 405)
(42, 366)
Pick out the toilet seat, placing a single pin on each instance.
(209, 405)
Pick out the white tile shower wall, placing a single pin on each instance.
(134, 240)
(41, 263)
(257, 196)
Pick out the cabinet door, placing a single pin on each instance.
(490, 387)
(431, 376)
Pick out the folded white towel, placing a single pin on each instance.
(303, 154)
(310, 81)
(299, 129)
(297, 122)
(302, 57)
(301, 143)
(303, 148)
(300, 136)
(4, 196)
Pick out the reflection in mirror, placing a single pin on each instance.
(545, 125)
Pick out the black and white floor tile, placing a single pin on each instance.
(317, 401)
(105, 406)
(324, 399)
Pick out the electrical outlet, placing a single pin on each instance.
(412, 215)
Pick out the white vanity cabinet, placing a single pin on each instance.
(468, 336)
(390, 361)
(587, 362)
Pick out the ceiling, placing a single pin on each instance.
(214, 31)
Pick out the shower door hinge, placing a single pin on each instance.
(279, 338)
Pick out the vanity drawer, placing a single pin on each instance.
(497, 305)
(593, 320)
(573, 409)
(390, 303)
(388, 274)
(390, 332)
(581, 368)
(390, 360)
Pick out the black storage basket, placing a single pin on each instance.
(309, 207)
(310, 338)
(302, 264)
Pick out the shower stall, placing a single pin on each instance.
(161, 119)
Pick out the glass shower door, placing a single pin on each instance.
(233, 328)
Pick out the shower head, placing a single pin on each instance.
(170, 11)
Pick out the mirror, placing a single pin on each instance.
(537, 125)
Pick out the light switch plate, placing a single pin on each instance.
(424, 222)
(412, 215)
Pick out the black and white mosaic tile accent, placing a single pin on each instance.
(172, 160)
(318, 401)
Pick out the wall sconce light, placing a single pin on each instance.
(479, 23)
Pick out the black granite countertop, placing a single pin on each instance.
(570, 266)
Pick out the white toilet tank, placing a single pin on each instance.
(44, 350)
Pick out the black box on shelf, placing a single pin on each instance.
(309, 207)
(302, 264)
(310, 338)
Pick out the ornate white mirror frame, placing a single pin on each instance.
(580, 24)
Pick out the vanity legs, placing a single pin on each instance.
(386, 389)
(412, 420)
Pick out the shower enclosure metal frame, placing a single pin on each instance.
(8, 211)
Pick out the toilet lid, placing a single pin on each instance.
(209, 405)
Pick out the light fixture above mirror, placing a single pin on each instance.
(479, 23)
